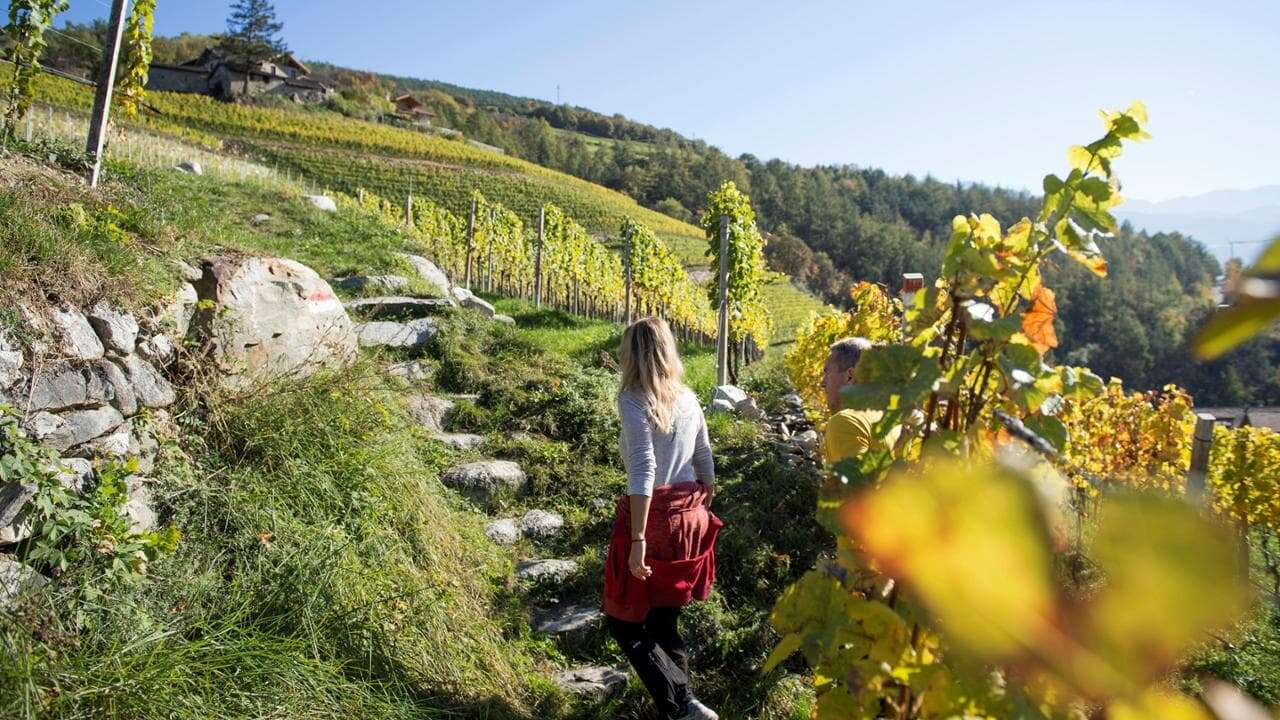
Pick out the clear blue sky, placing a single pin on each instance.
(982, 91)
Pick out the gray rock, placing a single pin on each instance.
(750, 410)
(486, 479)
(321, 202)
(64, 385)
(114, 445)
(503, 532)
(552, 570)
(190, 273)
(468, 300)
(541, 523)
(504, 319)
(567, 619)
(74, 335)
(190, 167)
(429, 411)
(17, 580)
(260, 218)
(177, 314)
(62, 432)
(594, 682)
(793, 400)
(428, 271)
(10, 362)
(117, 330)
(807, 440)
(730, 393)
(359, 283)
(720, 405)
(123, 397)
(139, 508)
(158, 349)
(396, 306)
(14, 497)
(460, 441)
(413, 371)
(412, 335)
(271, 318)
(16, 523)
(149, 385)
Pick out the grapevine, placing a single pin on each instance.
(28, 20)
(944, 561)
(137, 56)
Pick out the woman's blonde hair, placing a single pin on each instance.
(651, 369)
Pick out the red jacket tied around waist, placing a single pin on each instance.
(680, 540)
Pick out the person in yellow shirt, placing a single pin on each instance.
(848, 433)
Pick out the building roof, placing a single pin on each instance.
(1267, 417)
(409, 103)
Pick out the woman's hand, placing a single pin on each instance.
(711, 493)
(636, 561)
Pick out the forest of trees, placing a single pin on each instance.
(829, 226)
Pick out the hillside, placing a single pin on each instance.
(329, 562)
(1226, 219)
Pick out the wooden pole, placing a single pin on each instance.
(471, 241)
(102, 97)
(408, 208)
(488, 275)
(537, 260)
(1201, 445)
(626, 260)
(722, 324)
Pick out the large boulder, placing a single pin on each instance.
(381, 283)
(73, 334)
(430, 411)
(413, 335)
(486, 479)
(468, 299)
(428, 271)
(117, 330)
(271, 318)
(17, 580)
(65, 431)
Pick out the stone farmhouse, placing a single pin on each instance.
(413, 110)
(213, 74)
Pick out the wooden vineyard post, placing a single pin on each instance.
(626, 264)
(537, 260)
(488, 273)
(408, 208)
(722, 322)
(102, 97)
(1201, 445)
(471, 242)
(360, 196)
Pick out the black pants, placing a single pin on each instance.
(658, 654)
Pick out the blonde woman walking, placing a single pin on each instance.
(662, 550)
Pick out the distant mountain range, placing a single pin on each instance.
(1246, 217)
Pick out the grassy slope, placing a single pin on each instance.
(344, 154)
(324, 568)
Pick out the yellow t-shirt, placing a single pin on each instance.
(849, 433)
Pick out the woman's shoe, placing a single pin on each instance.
(698, 711)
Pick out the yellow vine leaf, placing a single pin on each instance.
(1037, 321)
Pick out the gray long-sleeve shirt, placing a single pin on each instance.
(654, 458)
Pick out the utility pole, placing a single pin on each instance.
(102, 98)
